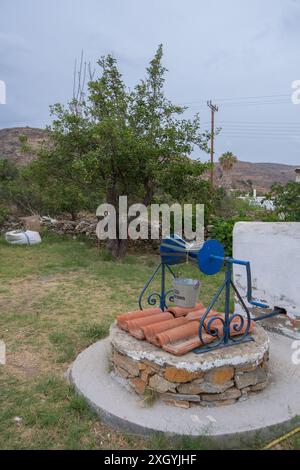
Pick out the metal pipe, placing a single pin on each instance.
(276, 311)
(227, 302)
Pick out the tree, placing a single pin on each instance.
(286, 199)
(16, 189)
(227, 162)
(124, 142)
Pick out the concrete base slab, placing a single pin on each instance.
(282, 324)
(263, 416)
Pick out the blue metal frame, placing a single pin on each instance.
(163, 296)
(210, 260)
(229, 321)
(249, 283)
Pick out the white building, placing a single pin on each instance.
(259, 201)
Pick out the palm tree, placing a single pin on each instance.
(227, 161)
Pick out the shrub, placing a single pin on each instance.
(4, 214)
(222, 231)
(287, 200)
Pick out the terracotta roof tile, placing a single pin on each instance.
(181, 311)
(181, 332)
(198, 314)
(184, 346)
(151, 331)
(135, 326)
(122, 320)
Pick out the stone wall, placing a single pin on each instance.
(184, 388)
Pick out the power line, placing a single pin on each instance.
(266, 136)
(275, 137)
(261, 129)
(242, 98)
(260, 132)
(257, 122)
(243, 105)
(256, 103)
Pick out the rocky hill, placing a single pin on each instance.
(11, 147)
(245, 176)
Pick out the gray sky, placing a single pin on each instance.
(242, 54)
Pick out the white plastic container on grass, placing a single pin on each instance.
(17, 237)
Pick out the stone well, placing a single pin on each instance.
(217, 378)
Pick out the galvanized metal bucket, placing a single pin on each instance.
(186, 292)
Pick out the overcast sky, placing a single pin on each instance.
(244, 55)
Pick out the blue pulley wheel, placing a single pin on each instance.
(211, 257)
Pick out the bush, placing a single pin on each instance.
(4, 214)
(287, 200)
(222, 231)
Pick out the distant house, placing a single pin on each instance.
(259, 201)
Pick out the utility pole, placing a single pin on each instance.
(214, 109)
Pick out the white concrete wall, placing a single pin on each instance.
(273, 250)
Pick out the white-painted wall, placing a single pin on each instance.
(273, 249)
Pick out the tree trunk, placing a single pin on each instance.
(117, 248)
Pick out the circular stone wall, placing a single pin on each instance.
(216, 378)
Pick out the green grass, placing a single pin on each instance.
(56, 298)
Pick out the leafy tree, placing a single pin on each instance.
(17, 189)
(122, 142)
(287, 200)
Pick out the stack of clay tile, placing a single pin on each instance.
(177, 330)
